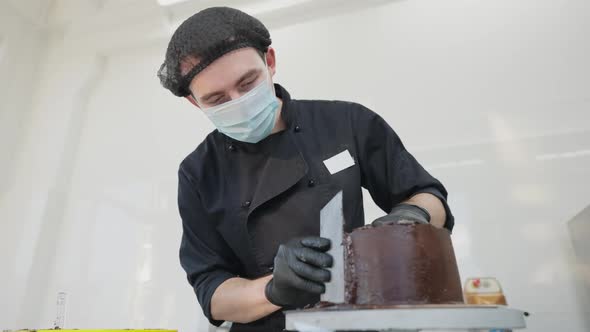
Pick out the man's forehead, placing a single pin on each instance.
(225, 71)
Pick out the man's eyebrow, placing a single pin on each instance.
(247, 75)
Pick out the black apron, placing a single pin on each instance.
(285, 202)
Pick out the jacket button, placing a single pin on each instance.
(246, 204)
(297, 129)
(311, 183)
(231, 147)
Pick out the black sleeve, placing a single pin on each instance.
(204, 255)
(388, 171)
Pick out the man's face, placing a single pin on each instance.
(231, 76)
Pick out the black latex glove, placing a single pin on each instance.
(299, 272)
(404, 214)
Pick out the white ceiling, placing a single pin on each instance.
(90, 16)
(104, 25)
(33, 11)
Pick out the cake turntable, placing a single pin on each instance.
(406, 318)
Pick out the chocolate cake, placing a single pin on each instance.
(401, 264)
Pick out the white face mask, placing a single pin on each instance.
(249, 118)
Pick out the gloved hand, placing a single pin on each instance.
(299, 272)
(404, 213)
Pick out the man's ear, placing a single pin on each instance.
(192, 100)
(271, 60)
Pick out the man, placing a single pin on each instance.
(250, 194)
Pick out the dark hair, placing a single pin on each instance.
(205, 37)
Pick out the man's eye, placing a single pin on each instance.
(214, 101)
(247, 84)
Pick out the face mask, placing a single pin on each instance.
(249, 118)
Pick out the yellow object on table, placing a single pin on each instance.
(95, 330)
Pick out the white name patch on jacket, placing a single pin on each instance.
(339, 162)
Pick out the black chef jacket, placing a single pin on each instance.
(239, 201)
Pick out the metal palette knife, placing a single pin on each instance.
(332, 227)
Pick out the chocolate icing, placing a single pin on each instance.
(400, 264)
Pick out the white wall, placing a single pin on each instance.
(21, 50)
(491, 96)
(21, 45)
(579, 227)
